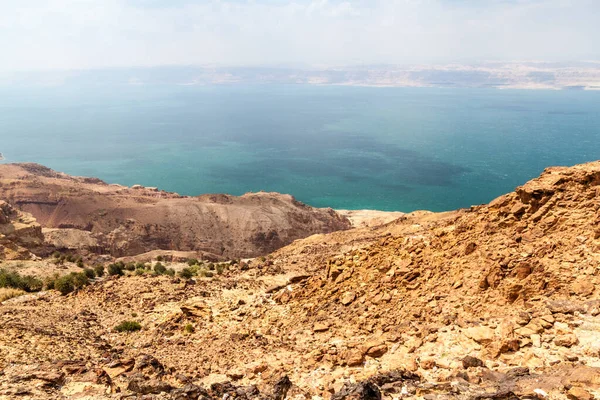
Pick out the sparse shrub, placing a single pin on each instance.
(64, 284)
(56, 254)
(70, 258)
(99, 270)
(16, 281)
(159, 268)
(192, 261)
(31, 284)
(189, 329)
(211, 266)
(159, 258)
(170, 272)
(128, 326)
(9, 293)
(80, 264)
(140, 265)
(206, 273)
(220, 268)
(139, 272)
(134, 314)
(186, 273)
(49, 282)
(89, 273)
(79, 279)
(115, 269)
(130, 266)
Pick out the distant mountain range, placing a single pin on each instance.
(517, 75)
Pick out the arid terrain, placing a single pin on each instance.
(499, 301)
(100, 218)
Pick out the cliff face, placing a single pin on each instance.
(498, 301)
(18, 232)
(128, 221)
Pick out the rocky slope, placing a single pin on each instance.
(499, 301)
(127, 221)
(18, 233)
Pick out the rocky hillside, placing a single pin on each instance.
(126, 221)
(499, 301)
(18, 233)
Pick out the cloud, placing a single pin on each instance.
(76, 34)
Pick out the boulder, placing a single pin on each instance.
(480, 334)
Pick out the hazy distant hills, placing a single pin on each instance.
(523, 75)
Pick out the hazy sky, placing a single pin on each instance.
(75, 34)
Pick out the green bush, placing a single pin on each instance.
(192, 261)
(206, 273)
(99, 270)
(80, 264)
(140, 265)
(170, 272)
(159, 258)
(186, 273)
(49, 282)
(130, 266)
(128, 326)
(64, 284)
(189, 329)
(221, 268)
(89, 273)
(56, 254)
(140, 272)
(16, 281)
(159, 268)
(79, 279)
(115, 269)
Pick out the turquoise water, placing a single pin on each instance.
(342, 147)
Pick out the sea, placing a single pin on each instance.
(344, 147)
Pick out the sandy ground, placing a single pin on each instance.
(369, 218)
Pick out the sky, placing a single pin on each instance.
(92, 34)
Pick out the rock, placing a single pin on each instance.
(566, 340)
(321, 326)
(139, 384)
(427, 363)
(281, 388)
(354, 357)
(197, 307)
(189, 392)
(377, 351)
(470, 248)
(536, 340)
(582, 287)
(565, 307)
(235, 374)
(523, 270)
(577, 393)
(348, 298)
(480, 334)
(471, 362)
(358, 391)
(501, 346)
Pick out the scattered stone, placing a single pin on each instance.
(321, 326)
(480, 334)
(471, 362)
(577, 393)
(566, 340)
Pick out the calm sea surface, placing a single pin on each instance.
(341, 147)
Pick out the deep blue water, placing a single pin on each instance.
(342, 147)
